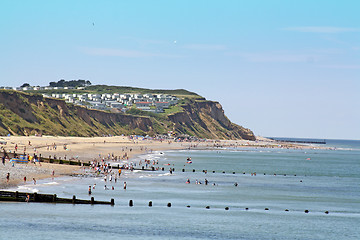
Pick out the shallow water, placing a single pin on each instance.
(329, 181)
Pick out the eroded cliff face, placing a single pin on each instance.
(207, 118)
(24, 114)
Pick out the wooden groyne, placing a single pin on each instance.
(46, 198)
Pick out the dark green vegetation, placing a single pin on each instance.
(31, 113)
(71, 83)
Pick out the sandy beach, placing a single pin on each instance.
(121, 148)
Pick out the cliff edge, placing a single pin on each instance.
(29, 114)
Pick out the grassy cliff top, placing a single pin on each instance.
(100, 89)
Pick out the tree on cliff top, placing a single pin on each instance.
(71, 83)
(25, 85)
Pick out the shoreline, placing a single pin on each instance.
(121, 149)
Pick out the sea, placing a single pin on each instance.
(280, 194)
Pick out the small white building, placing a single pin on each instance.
(117, 105)
(97, 105)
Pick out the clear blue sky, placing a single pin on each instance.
(280, 68)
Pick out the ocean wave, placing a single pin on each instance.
(164, 174)
(51, 183)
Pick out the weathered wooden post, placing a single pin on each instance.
(169, 204)
(131, 203)
(112, 202)
(150, 204)
(74, 199)
(35, 197)
(92, 201)
(54, 198)
(16, 195)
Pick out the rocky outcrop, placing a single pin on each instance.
(24, 114)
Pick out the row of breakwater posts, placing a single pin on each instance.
(52, 198)
(131, 204)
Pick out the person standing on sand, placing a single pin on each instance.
(7, 177)
(125, 185)
(34, 181)
(89, 190)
